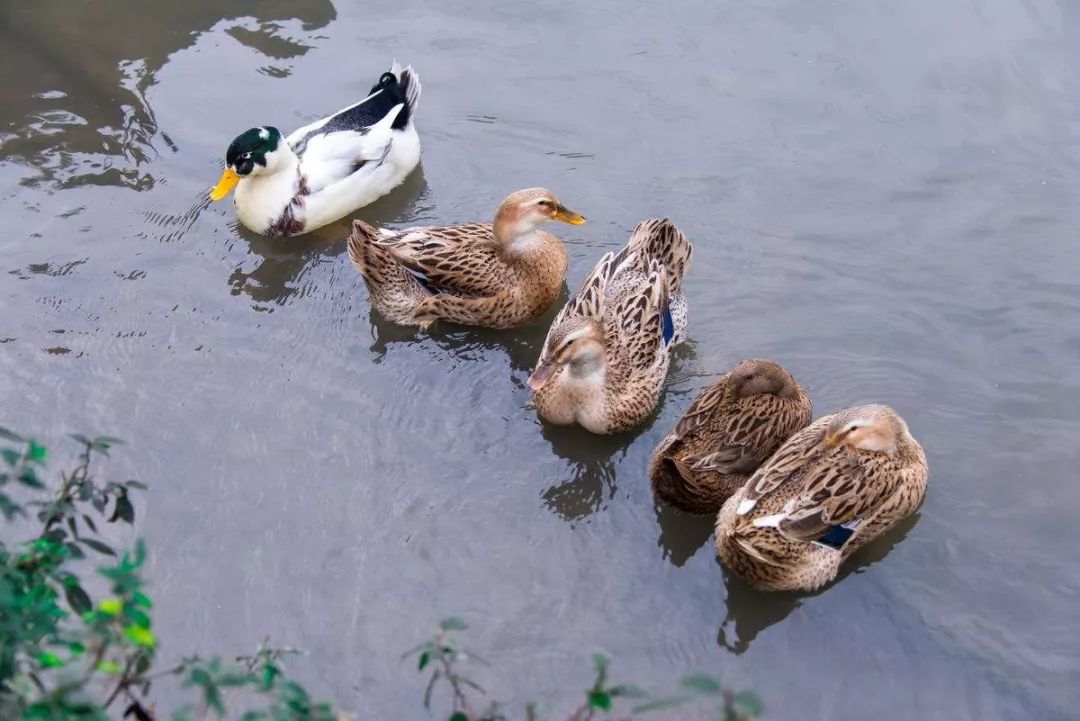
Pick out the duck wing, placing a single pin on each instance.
(835, 494)
(798, 452)
(458, 259)
(337, 146)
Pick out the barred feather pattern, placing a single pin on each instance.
(458, 273)
(766, 531)
(626, 295)
(724, 437)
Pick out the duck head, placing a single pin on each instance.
(259, 151)
(573, 354)
(758, 376)
(525, 210)
(874, 428)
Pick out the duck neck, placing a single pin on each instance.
(267, 193)
(517, 236)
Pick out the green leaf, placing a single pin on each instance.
(661, 704)
(141, 599)
(36, 452)
(109, 667)
(458, 716)
(452, 624)
(28, 477)
(600, 662)
(136, 484)
(11, 457)
(49, 660)
(138, 617)
(747, 703)
(701, 684)
(627, 691)
(90, 522)
(77, 598)
(141, 636)
(98, 546)
(7, 435)
(111, 606)
(424, 658)
(123, 511)
(600, 700)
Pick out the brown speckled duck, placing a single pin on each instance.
(496, 275)
(729, 430)
(606, 355)
(834, 486)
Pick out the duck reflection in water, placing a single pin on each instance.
(748, 611)
(591, 463)
(592, 459)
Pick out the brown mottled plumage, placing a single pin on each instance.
(834, 486)
(496, 275)
(729, 430)
(607, 353)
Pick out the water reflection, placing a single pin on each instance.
(88, 122)
(749, 611)
(681, 534)
(591, 461)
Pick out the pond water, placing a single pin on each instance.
(883, 197)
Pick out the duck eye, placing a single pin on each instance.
(543, 203)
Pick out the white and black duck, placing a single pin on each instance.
(328, 169)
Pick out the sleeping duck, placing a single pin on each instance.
(607, 353)
(328, 169)
(731, 429)
(834, 486)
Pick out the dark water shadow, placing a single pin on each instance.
(591, 458)
(749, 611)
(282, 261)
(591, 464)
(682, 534)
(82, 118)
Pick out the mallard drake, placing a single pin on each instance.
(328, 169)
(496, 275)
(835, 485)
(606, 355)
(728, 431)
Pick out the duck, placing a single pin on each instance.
(494, 275)
(729, 430)
(607, 352)
(830, 489)
(287, 186)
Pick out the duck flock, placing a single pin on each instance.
(793, 499)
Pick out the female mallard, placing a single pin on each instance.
(607, 353)
(328, 169)
(834, 486)
(732, 427)
(496, 275)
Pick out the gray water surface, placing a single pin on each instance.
(883, 197)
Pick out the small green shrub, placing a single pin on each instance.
(65, 654)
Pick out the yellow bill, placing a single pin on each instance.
(568, 216)
(228, 181)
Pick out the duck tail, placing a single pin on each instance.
(361, 251)
(409, 82)
(660, 238)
